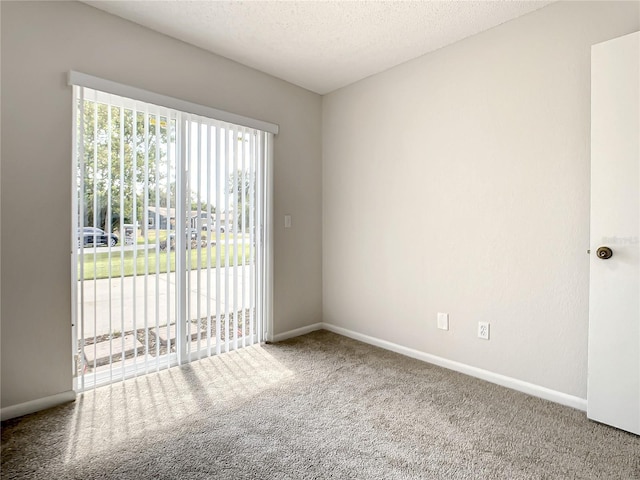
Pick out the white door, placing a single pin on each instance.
(614, 298)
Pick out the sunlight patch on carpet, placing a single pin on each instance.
(162, 402)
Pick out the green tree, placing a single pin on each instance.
(117, 163)
(243, 185)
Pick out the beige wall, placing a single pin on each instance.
(459, 183)
(40, 43)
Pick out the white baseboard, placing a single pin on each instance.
(513, 383)
(36, 405)
(297, 332)
(25, 408)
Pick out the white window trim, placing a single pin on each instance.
(122, 90)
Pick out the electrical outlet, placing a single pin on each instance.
(483, 330)
(443, 321)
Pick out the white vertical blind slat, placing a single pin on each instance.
(236, 193)
(107, 228)
(168, 269)
(242, 215)
(198, 237)
(75, 280)
(218, 224)
(121, 229)
(95, 210)
(227, 323)
(180, 232)
(180, 251)
(209, 227)
(146, 227)
(134, 162)
(259, 234)
(169, 135)
(81, 161)
(157, 232)
(198, 226)
(252, 238)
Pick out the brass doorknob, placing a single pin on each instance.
(604, 253)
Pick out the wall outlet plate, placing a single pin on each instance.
(443, 321)
(483, 330)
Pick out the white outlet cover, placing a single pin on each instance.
(443, 321)
(483, 330)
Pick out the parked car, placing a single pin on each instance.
(90, 236)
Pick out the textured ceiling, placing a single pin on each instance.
(319, 45)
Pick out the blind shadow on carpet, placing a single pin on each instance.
(314, 407)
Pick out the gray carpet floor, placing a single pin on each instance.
(320, 406)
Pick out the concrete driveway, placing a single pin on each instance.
(122, 304)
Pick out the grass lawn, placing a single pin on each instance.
(122, 264)
(162, 236)
(151, 238)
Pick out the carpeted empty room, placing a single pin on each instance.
(328, 239)
(314, 407)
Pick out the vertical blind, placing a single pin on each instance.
(169, 261)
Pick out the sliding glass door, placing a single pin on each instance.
(168, 257)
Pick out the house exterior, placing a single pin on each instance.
(163, 218)
(160, 217)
